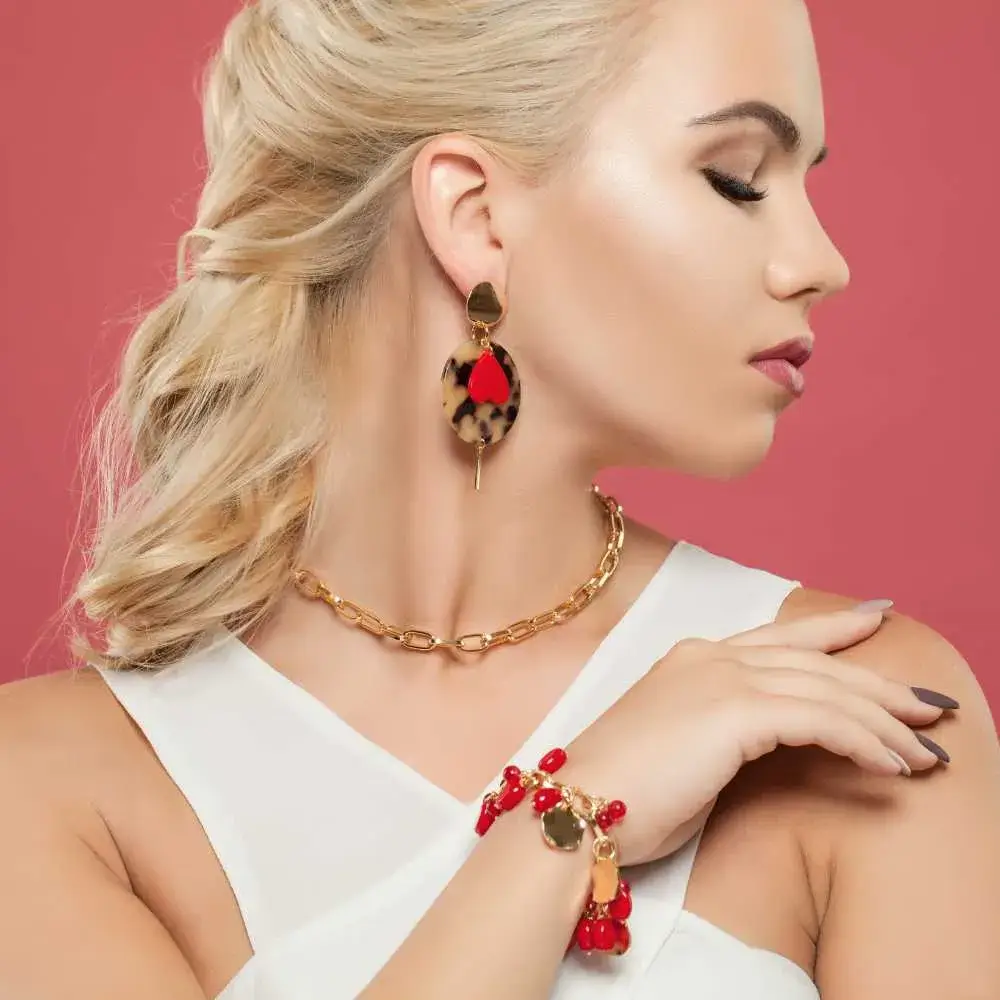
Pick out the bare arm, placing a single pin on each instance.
(914, 908)
(501, 927)
(69, 926)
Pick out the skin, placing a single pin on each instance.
(862, 882)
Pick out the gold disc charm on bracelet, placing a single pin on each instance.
(562, 828)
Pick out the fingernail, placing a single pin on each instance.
(904, 768)
(934, 698)
(939, 752)
(871, 606)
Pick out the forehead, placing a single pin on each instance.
(703, 54)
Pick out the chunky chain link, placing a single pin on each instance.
(417, 640)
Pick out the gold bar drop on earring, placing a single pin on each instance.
(479, 461)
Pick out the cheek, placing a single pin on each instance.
(636, 278)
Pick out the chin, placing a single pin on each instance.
(717, 455)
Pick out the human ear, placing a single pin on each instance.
(456, 186)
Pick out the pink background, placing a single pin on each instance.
(884, 480)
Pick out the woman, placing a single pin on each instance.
(551, 221)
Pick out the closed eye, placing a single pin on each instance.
(732, 187)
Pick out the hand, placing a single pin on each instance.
(672, 743)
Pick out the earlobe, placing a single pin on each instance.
(451, 186)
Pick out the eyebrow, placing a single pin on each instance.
(788, 134)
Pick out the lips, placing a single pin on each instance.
(796, 352)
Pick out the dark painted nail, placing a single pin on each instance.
(934, 698)
(938, 752)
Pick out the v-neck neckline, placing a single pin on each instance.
(325, 717)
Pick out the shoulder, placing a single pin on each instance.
(55, 714)
(910, 652)
(62, 738)
(72, 922)
(910, 866)
(42, 718)
(903, 649)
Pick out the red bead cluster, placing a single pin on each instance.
(512, 792)
(602, 926)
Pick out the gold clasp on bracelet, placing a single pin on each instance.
(604, 874)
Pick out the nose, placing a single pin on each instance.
(807, 264)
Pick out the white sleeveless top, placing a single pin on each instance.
(275, 776)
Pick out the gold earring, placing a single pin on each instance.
(480, 386)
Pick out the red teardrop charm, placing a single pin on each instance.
(485, 821)
(511, 796)
(474, 421)
(488, 383)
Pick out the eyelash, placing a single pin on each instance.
(732, 187)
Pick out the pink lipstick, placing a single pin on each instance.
(782, 363)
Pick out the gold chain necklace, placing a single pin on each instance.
(308, 584)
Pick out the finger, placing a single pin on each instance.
(829, 691)
(829, 632)
(894, 696)
(797, 722)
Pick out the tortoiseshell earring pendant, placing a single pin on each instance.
(480, 387)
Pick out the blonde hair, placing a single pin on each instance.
(205, 460)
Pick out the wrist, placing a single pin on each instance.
(571, 820)
(520, 832)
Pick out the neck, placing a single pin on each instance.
(404, 533)
(407, 536)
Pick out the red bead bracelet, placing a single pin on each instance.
(566, 813)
